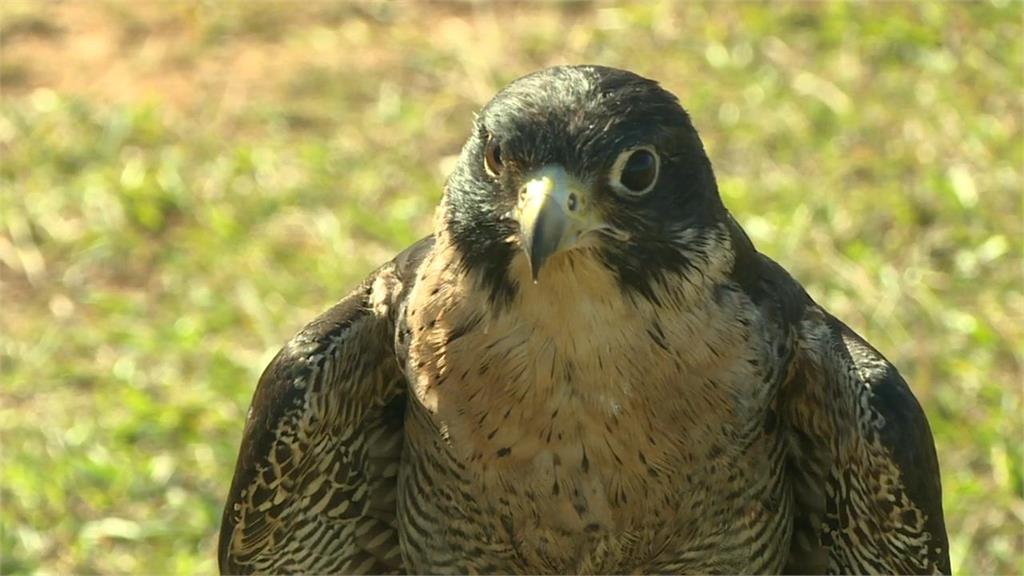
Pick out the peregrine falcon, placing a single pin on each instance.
(586, 368)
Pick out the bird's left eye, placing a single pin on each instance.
(493, 162)
(636, 170)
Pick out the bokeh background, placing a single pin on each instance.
(185, 184)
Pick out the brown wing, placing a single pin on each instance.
(314, 486)
(860, 456)
(862, 461)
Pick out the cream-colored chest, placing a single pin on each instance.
(578, 412)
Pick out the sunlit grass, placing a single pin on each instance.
(182, 186)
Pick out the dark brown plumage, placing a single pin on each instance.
(587, 368)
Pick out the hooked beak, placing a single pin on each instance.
(554, 211)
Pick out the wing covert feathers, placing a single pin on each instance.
(861, 460)
(314, 487)
(863, 465)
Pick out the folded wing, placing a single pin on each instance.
(863, 465)
(315, 483)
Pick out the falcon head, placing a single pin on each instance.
(581, 161)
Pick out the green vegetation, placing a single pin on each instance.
(184, 185)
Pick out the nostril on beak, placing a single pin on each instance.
(572, 202)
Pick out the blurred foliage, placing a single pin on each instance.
(185, 184)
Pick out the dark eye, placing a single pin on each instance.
(639, 171)
(492, 156)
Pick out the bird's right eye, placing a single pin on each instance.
(492, 156)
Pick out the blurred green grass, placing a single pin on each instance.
(184, 185)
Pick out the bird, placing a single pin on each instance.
(587, 367)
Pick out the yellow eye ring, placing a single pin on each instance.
(636, 170)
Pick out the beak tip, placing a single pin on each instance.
(534, 272)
